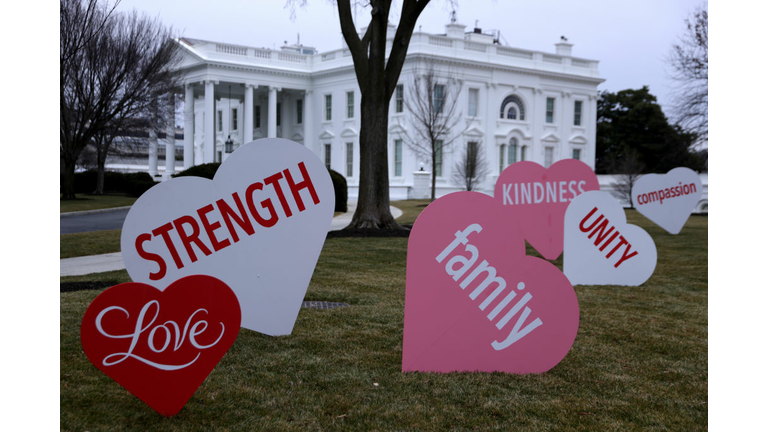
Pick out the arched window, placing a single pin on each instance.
(513, 106)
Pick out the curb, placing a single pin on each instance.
(84, 212)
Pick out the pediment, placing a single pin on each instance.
(578, 139)
(397, 129)
(348, 133)
(550, 137)
(474, 133)
(327, 135)
(297, 137)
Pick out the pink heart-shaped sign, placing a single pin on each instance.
(601, 248)
(161, 345)
(474, 301)
(668, 199)
(534, 199)
(259, 226)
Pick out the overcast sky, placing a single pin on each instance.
(629, 38)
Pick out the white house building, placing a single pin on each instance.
(516, 104)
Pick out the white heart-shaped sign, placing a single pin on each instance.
(668, 199)
(258, 226)
(600, 248)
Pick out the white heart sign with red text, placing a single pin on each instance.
(259, 226)
(668, 199)
(601, 248)
(534, 199)
(474, 301)
(161, 345)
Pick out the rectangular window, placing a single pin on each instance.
(218, 119)
(439, 98)
(349, 159)
(548, 152)
(234, 119)
(550, 110)
(398, 158)
(472, 160)
(257, 116)
(399, 98)
(350, 104)
(577, 113)
(473, 100)
(299, 111)
(328, 156)
(278, 112)
(577, 154)
(328, 101)
(512, 153)
(522, 153)
(439, 158)
(502, 149)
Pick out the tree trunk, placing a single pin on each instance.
(101, 159)
(373, 198)
(68, 187)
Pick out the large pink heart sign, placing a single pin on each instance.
(474, 301)
(161, 345)
(601, 248)
(259, 226)
(534, 199)
(668, 199)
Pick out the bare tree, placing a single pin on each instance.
(432, 103)
(118, 73)
(629, 168)
(689, 61)
(472, 168)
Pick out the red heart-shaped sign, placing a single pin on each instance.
(474, 301)
(534, 199)
(161, 345)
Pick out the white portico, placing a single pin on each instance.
(515, 104)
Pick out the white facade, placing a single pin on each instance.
(314, 99)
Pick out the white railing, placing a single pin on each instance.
(297, 58)
(440, 41)
(260, 53)
(231, 49)
(474, 46)
(581, 63)
(552, 59)
(514, 53)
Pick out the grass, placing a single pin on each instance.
(95, 202)
(639, 361)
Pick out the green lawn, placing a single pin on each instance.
(95, 202)
(639, 361)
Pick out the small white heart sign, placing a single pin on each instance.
(600, 248)
(258, 226)
(668, 199)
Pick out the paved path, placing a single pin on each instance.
(114, 261)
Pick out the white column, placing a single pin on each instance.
(210, 127)
(248, 115)
(189, 127)
(152, 151)
(170, 139)
(308, 119)
(272, 113)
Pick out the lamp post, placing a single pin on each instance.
(228, 144)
